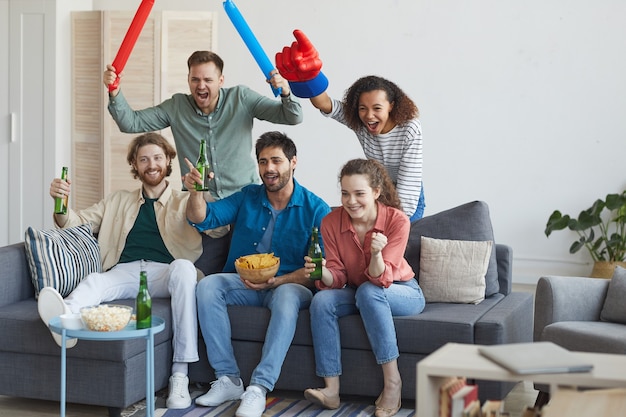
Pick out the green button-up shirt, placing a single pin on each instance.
(227, 130)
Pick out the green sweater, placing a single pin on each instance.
(227, 130)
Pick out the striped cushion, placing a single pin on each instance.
(61, 258)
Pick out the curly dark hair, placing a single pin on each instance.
(404, 109)
(204, 57)
(149, 138)
(377, 178)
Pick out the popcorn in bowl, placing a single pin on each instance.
(106, 317)
(257, 268)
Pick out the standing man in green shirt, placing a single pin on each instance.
(223, 116)
(220, 115)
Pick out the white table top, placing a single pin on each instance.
(464, 359)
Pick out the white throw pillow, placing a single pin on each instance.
(61, 258)
(453, 271)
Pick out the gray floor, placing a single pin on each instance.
(522, 395)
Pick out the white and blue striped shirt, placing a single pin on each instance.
(399, 150)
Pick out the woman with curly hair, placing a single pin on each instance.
(386, 124)
(364, 273)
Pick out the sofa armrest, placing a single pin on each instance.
(560, 298)
(509, 321)
(504, 259)
(15, 282)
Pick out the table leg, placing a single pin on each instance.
(427, 397)
(63, 370)
(150, 374)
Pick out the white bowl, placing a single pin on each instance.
(106, 317)
(72, 321)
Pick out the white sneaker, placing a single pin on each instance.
(50, 304)
(252, 403)
(221, 391)
(178, 397)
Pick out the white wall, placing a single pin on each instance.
(521, 103)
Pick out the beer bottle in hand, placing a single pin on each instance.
(143, 304)
(60, 203)
(203, 166)
(315, 252)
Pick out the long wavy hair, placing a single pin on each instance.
(377, 178)
(403, 110)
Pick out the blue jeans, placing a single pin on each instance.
(377, 306)
(421, 204)
(215, 292)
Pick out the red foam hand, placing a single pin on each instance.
(301, 61)
(143, 11)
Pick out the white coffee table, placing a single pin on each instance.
(129, 332)
(455, 359)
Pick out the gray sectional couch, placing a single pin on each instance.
(112, 373)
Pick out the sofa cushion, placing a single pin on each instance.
(26, 333)
(441, 322)
(453, 271)
(61, 258)
(468, 221)
(614, 308)
(587, 336)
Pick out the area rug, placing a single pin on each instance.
(275, 407)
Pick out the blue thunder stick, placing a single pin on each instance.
(250, 40)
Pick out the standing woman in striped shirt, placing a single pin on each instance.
(385, 121)
(383, 117)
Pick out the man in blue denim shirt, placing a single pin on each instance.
(279, 207)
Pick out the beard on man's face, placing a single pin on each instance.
(152, 176)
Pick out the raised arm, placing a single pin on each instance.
(196, 205)
(109, 77)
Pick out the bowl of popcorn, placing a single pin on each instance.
(106, 317)
(257, 268)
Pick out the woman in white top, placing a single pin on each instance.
(383, 117)
(385, 121)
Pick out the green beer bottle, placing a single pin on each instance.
(143, 304)
(60, 203)
(203, 166)
(315, 252)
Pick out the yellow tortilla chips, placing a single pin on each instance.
(257, 261)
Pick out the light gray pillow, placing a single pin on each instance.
(614, 308)
(469, 221)
(453, 271)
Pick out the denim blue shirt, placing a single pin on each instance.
(249, 213)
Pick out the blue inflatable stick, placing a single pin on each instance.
(250, 40)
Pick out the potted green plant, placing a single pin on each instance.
(601, 230)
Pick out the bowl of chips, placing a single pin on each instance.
(257, 268)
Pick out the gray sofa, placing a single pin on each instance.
(569, 312)
(112, 375)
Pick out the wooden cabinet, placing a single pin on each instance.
(156, 69)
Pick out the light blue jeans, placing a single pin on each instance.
(377, 306)
(215, 292)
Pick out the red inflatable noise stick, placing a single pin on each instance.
(143, 11)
